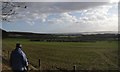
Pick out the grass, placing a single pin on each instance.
(101, 55)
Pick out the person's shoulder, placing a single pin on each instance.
(14, 51)
(20, 51)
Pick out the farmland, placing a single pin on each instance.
(99, 55)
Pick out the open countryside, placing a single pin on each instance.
(99, 55)
(61, 36)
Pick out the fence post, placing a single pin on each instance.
(39, 64)
(8, 55)
(74, 68)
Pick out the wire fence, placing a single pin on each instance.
(6, 56)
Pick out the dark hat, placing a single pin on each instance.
(18, 45)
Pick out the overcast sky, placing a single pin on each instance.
(64, 17)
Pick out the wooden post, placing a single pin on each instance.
(39, 64)
(8, 55)
(74, 68)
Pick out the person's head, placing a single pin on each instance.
(18, 45)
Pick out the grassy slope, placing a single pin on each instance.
(86, 55)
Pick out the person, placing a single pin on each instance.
(18, 60)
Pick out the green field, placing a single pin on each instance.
(100, 55)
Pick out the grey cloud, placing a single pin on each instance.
(58, 7)
(49, 7)
(52, 7)
(58, 0)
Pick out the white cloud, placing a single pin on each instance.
(94, 19)
(39, 8)
(64, 18)
(94, 16)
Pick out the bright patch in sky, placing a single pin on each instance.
(112, 1)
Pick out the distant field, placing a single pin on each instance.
(101, 55)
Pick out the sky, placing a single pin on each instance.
(64, 17)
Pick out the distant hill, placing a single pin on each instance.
(101, 32)
(87, 33)
(69, 37)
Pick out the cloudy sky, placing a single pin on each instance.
(64, 17)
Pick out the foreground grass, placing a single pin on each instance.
(100, 55)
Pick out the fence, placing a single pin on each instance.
(7, 56)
